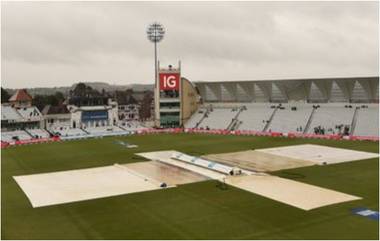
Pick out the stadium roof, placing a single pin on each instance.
(287, 79)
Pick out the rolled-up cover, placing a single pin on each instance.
(204, 163)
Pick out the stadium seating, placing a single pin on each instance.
(218, 118)
(9, 113)
(367, 121)
(75, 133)
(10, 136)
(288, 120)
(40, 133)
(7, 136)
(195, 118)
(133, 125)
(104, 129)
(290, 117)
(255, 116)
(328, 116)
(64, 132)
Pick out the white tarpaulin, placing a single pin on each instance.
(82, 184)
(319, 154)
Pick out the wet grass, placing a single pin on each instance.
(193, 211)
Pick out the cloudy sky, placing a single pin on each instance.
(46, 44)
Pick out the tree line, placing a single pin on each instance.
(40, 101)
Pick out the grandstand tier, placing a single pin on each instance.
(291, 118)
(368, 121)
(218, 118)
(331, 118)
(11, 136)
(255, 116)
(38, 133)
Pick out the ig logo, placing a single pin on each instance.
(169, 81)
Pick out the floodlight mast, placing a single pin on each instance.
(155, 32)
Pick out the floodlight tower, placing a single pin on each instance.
(155, 32)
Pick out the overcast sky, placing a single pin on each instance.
(46, 44)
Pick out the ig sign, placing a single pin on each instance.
(169, 81)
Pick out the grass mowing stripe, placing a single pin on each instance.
(192, 211)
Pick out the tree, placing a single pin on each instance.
(4, 95)
(40, 101)
(59, 95)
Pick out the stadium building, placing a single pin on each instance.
(334, 106)
(21, 120)
(176, 98)
(346, 106)
(89, 108)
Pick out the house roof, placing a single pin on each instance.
(52, 110)
(30, 113)
(9, 113)
(21, 95)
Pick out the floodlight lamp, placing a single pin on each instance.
(155, 32)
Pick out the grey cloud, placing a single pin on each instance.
(59, 43)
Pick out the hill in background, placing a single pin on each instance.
(95, 85)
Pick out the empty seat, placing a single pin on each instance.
(70, 132)
(367, 123)
(255, 117)
(10, 136)
(195, 118)
(288, 120)
(218, 118)
(328, 116)
(104, 130)
(39, 133)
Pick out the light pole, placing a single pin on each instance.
(155, 32)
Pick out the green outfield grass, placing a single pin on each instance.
(193, 211)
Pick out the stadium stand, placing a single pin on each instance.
(218, 118)
(196, 118)
(10, 136)
(66, 131)
(103, 130)
(327, 118)
(323, 105)
(77, 133)
(255, 116)
(332, 118)
(291, 118)
(368, 121)
(132, 125)
(38, 133)
(10, 114)
(346, 106)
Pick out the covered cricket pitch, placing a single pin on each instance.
(193, 207)
(166, 170)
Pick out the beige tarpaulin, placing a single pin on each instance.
(297, 194)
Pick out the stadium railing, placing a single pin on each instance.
(194, 130)
(258, 133)
(30, 141)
